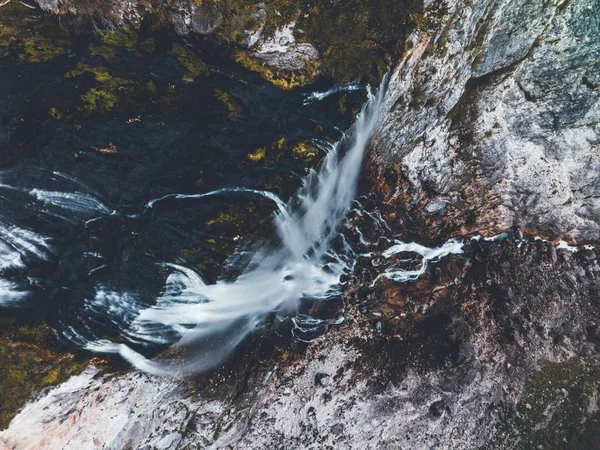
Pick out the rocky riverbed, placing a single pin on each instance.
(470, 316)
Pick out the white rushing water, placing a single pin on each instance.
(451, 247)
(318, 96)
(280, 204)
(75, 201)
(212, 319)
(18, 246)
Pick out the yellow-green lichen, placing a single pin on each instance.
(235, 111)
(39, 49)
(193, 64)
(283, 80)
(258, 155)
(111, 90)
(304, 151)
(29, 363)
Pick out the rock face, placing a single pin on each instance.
(282, 52)
(189, 17)
(494, 349)
(497, 113)
(493, 122)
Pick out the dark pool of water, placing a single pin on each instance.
(173, 136)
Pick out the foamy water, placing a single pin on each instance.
(74, 201)
(427, 254)
(212, 319)
(322, 95)
(18, 246)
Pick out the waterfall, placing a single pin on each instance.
(211, 320)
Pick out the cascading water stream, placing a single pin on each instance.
(211, 320)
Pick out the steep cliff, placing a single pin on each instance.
(288, 42)
(495, 122)
(493, 127)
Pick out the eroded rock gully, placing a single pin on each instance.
(493, 124)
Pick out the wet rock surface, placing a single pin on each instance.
(286, 41)
(493, 123)
(107, 122)
(502, 356)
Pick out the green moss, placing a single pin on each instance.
(236, 17)
(99, 100)
(151, 88)
(224, 218)
(304, 151)
(279, 143)
(558, 410)
(193, 64)
(29, 363)
(235, 111)
(105, 51)
(148, 45)
(106, 97)
(343, 104)
(258, 155)
(112, 90)
(189, 252)
(280, 13)
(55, 113)
(253, 64)
(355, 38)
(9, 28)
(124, 37)
(39, 49)
(283, 80)
(30, 40)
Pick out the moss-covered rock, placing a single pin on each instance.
(304, 151)
(355, 39)
(193, 64)
(111, 90)
(30, 363)
(284, 79)
(24, 35)
(235, 110)
(559, 408)
(40, 49)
